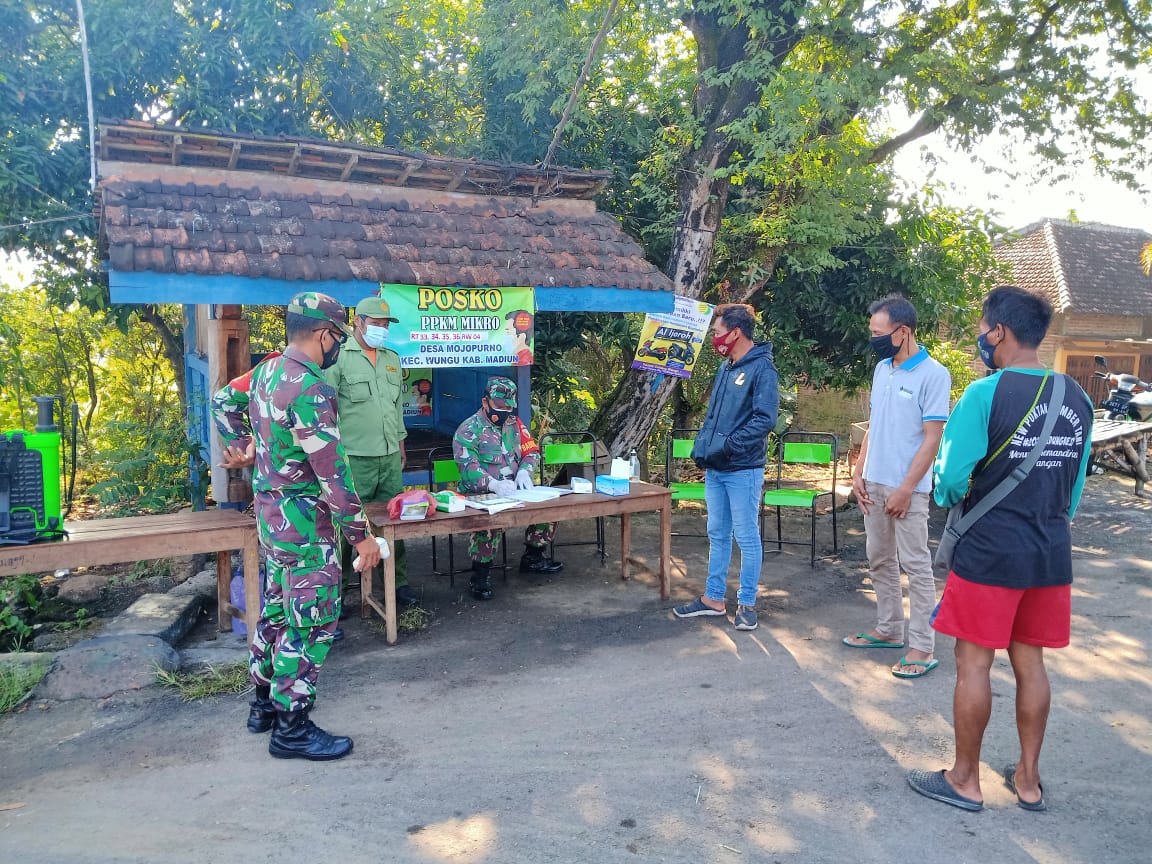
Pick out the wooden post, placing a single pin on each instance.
(224, 342)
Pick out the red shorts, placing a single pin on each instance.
(993, 616)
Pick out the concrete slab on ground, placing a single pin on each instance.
(100, 667)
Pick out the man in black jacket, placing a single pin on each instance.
(731, 448)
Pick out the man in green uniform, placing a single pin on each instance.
(370, 397)
(495, 452)
(284, 422)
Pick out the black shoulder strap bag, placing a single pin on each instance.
(958, 521)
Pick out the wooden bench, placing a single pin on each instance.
(642, 497)
(140, 538)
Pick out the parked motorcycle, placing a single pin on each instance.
(1129, 398)
(683, 352)
(646, 350)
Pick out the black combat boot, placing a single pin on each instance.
(261, 711)
(481, 581)
(295, 736)
(535, 561)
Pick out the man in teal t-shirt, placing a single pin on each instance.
(1011, 580)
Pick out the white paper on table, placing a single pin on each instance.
(491, 503)
(539, 493)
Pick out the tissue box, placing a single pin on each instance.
(607, 485)
(579, 484)
(449, 502)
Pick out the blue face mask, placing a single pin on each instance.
(987, 352)
(374, 336)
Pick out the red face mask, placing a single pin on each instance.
(723, 344)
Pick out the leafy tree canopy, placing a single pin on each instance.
(749, 137)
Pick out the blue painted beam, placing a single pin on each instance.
(145, 287)
(549, 299)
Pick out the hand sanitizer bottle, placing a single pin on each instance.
(633, 465)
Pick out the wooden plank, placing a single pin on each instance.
(140, 538)
(224, 591)
(347, 172)
(207, 520)
(146, 533)
(64, 555)
(411, 166)
(458, 176)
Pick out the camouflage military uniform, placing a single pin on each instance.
(483, 451)
(303, 494)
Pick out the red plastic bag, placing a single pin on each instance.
(413, 504)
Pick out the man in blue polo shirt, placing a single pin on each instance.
(892, 480)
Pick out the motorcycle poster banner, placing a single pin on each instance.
(670, 343)
(461, 326)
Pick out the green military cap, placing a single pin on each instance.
(375, 307)
(313, 304)
(501, 393)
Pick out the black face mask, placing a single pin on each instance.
(884, 347)
(328, 358)
(498, 418)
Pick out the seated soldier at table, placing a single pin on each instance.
(496, 453)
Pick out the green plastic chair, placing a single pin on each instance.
(802, 448)
(572, 449)
(444, 473)
(678, 448)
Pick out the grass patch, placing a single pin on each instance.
(193, 686)
(410, 620)
(16, 683)
(150, 569)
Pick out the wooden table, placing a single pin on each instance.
(641, 497)
(1124, 442)
(139, 538)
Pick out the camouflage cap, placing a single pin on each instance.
(375, 307)
(501, 393)
(313, 304)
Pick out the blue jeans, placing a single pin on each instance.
(733, 500)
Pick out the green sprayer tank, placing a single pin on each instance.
(30, 480)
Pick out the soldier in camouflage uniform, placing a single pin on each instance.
(285, 424)
(496, 453)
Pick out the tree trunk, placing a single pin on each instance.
(90, 379)
(625, 420)
(173, 350)
(681, 409)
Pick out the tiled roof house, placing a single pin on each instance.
(216, 221)
(192, 217)
(1101, 296)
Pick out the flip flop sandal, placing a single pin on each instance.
(872, 642)
(928, 665)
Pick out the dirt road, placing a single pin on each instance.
(577, 721)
